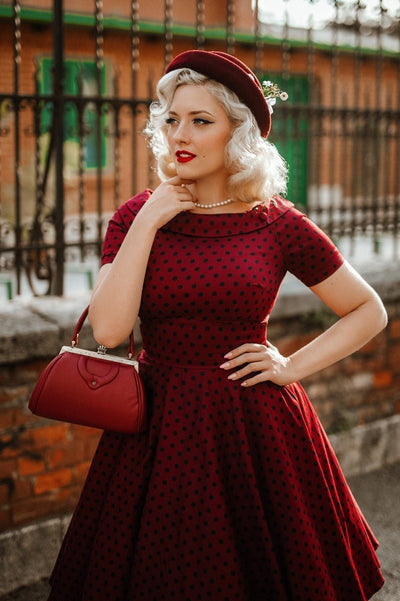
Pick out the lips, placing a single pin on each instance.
(183, 156)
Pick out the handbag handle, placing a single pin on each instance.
(78, 327)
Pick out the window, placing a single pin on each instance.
(81, 125)
(289, 133)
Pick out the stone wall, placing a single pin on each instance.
(43, 464)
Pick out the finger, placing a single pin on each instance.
(247, 369)
(257, 379)
(256, 356)
(187, 205)
(244, 348)
(184, 192)
(186, 199)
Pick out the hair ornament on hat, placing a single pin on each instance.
(272, 92)
(234, 74)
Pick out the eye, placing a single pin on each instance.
(170, 121)
(201, 121)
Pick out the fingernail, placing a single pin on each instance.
(231, 376)
(228, 355)
(224, 365)
(243, 384)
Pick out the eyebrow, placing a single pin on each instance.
(194, 113)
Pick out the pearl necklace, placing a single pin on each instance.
(198, 205)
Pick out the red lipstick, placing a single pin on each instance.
(183, 156)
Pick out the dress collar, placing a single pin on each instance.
(207, 225)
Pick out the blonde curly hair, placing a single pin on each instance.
(258, 171)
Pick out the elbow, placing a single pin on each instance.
(380, 315)
(108, 335)
(384, 318)
(104, 338)
(110, 338)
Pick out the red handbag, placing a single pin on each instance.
(91, 388)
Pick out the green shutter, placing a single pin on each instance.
(75, 69)
(289, 134)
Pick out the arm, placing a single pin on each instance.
(116, 297)
(361, 317)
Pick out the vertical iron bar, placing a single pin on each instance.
(375, 200)
(36, 129)
(134, 91)
(230, 26)
(200, 28)
(99, 111)
(346, 164)
(356, 172)
(150, 161)
(258, 42)
(368, 135)
(58, 93)
(81, 161)
(285, 45)
(17, 157)
(386, 163)
(117, 136)
(396, 183)
(333, 179)
(168, 34)
(313, 125)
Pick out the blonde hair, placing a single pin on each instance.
(258, 172)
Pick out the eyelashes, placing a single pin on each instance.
(196, 121)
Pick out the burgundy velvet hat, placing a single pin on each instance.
(234, 74)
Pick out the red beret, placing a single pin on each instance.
(234, 74)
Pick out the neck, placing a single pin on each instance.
(206, 194)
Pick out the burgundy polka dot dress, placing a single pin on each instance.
(231, 493)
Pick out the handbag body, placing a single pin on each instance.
(91, 388)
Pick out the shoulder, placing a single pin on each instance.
(127, 212)
(308, 251)
(292, 221)
(120, 223)
(276, 208)
(284, 211)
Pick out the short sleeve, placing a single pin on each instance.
(308, 252)
(119, 225)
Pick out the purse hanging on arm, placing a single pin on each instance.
(91, 388)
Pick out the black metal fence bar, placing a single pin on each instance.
(17, 172)
(343, 140)
(58, 127)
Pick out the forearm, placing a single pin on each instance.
(115, 301)
(346, 336)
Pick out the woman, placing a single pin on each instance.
(233, 492)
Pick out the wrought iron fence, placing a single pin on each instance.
(72, 112)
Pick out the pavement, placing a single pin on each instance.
(378, 495)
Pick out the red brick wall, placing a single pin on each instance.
(360, 389)
(43, 464)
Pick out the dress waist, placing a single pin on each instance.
(190, 342)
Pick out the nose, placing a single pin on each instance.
(181, 133)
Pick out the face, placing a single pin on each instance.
(198, 130)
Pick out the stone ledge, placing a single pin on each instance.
(37, 327)
(368, 447)
(28, 554)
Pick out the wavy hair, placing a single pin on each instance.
(257, 170)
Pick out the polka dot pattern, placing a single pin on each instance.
(230, 494)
